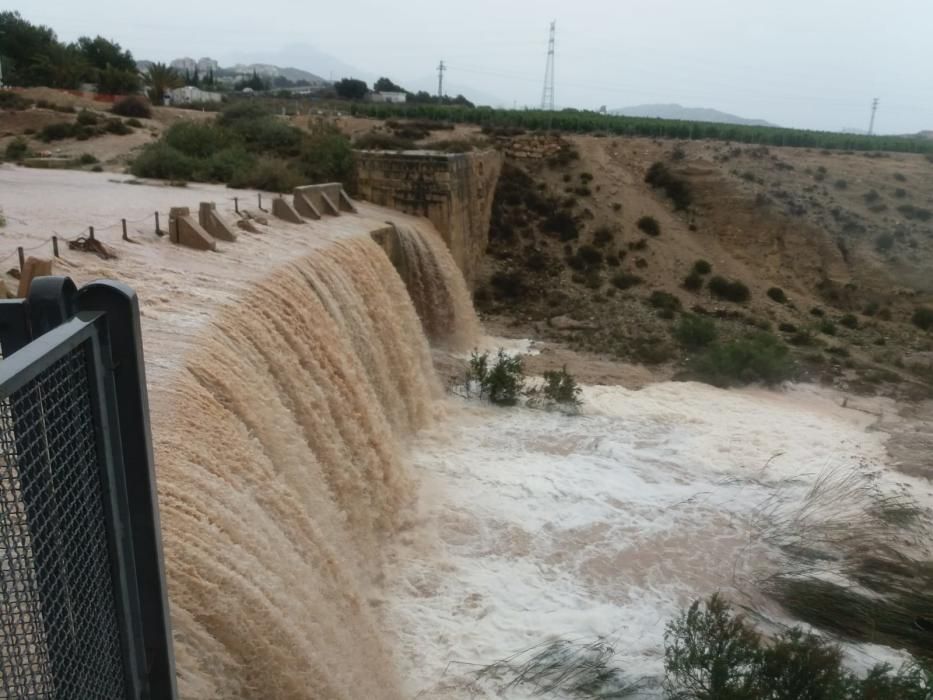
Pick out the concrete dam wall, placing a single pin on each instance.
(454, 191)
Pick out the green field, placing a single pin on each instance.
(574, 121)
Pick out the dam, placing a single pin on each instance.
(335, 525)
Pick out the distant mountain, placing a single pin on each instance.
(692, 114)
(267, 70)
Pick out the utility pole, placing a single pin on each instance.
(547, 94)
(871, 124)
(440, 79)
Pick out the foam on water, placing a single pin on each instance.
(536, 524)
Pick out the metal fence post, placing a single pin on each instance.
(121, 306)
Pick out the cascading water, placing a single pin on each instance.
(437, 288)
(280, 477)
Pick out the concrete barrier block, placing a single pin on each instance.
(304, 205)
(212, 223)
(248, 225)
(32, 268)
(184, 230)
(285, 211)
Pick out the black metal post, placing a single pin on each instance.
(22, 258)
(121, 305)
(158, 230)
(90, 233)
(55, 246)
(125, 237)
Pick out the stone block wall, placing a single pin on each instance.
(454, 191)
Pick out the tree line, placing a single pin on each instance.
(356, 89)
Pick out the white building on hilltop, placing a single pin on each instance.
(190, 94)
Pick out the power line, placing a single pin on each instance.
(440, 78)
(547, 94)
(874, 109)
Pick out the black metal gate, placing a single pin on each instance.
(83, 608)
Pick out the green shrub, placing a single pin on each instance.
(664, 300)
(757, 358)
(730, 290)
(912, 212)
(603, 236)
(649, 225)
(561, 223)
(87, 159)
(900, 177)
(900, 193)
(694, 332)
(59, 131)
(116, 126)
(17, 149)
(884, 242)
(326, 156)
(625, 280)
(134, 122)
(710, 655)
(132, 106)
(269, 174)
(923, 318)
(840, 184)
(86, 118)
(693, 282)
(660, 177)
(871, 197)
(590, 256)
(827, 327)
(702, 267)
(161, 161)
(849, 321)
(13, 101)
(510, 285)
(561, 389)
(501, 382)
(777, 294)
(197, 139)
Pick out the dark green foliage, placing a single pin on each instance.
(590, 256)
(915, 213)
(900, 177)
(17, 149)
(664, 300)
(900, 193)
(817, 311)
(561, 223)
(730, 290)
(13, 101)
(923, 318)
(87, 159)
(884, 242)
(777, 294)
(625, 280)
(561, 388)
(86, 118)
(693, 282)
(510, 285)
(116, 126)
(351, 89)
(603, 236)
(871, 197)
(134, 122)
(63, 130)
(827, 327)
(132, 106)
(710, 655)
(501, 382)
(676, 188)
(386, 85)
(694, 332)
(161, 161)
(240, 169)
(702, 267)
(581, 121)
(849, 321)
(102, 53)
(840, 184)
(649, 225)
(113, 81)
(757, 358)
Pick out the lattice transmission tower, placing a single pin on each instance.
(547, 95)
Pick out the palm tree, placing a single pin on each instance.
(162, 78)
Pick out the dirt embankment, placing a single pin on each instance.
(830, 246)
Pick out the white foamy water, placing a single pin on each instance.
(535, 525)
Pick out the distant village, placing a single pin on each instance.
(206, 81)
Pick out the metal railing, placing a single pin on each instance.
(83, 607)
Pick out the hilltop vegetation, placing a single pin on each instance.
(583, 122)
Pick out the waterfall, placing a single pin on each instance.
(436, 287)
(277, 450)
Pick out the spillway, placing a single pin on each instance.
(284, 371)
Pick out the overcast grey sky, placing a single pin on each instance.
(807, 63)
